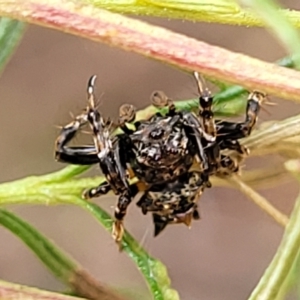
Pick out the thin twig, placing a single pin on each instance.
(259, 200)
(259, 178)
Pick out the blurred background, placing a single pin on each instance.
(221, 257)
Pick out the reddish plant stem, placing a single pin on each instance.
(184, 52)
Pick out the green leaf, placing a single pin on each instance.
(202, 6)
(11, 32)
(216, 11)
(278, 23)
(62, 266)
(57, 188)
(59, 264)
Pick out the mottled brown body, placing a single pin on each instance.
(160, 152)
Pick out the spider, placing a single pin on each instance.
(171, 155)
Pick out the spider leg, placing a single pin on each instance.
(196, 134)
(120, 211)
(106, 147)
(229, 132)
(206, 103)
(79, 155)
(100, 190)
(206, 115)
(113, 156)
(160, 100)
(113, 159)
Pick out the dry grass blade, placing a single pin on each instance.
(259, 200)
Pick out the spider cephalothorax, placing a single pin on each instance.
(172, 155)
(163, 148)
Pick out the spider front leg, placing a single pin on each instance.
(78, 155)
(208, 123)
(206, 103)
(230, 132)
(112, 156)
(196, 134)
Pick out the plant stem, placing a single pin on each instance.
(62, 266)
(11, 291)
(259, 178)
(278, 23)
(260, 201)
(11, 32)
(155, 42)
(153, 270)
(270, 284)
(275, 133)
(212, 13)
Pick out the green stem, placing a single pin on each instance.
(11, 32)
(278, 23)
(210, 12)
(270, 284)
(62, 266)
(291, 281)
(260, 201)
(153, 270)
(35, 191)
(54, 259)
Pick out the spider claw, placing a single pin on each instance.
(91, 90)
(201, 84)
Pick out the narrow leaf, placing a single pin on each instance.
(11, 32)
(270, 284)
(278, 24)
(62, 266)
(216, 11)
